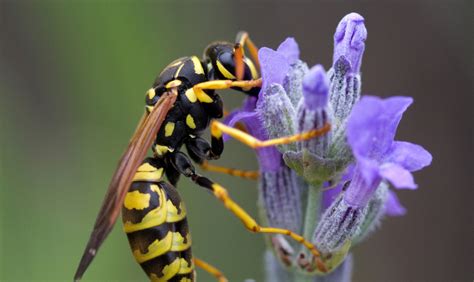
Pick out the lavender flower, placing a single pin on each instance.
(332, 189)
(370, 132)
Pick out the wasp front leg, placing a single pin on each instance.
(203, 97)
(219, 128)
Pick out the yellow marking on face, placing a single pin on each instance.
(227, 74)
(202, 96)
(173, 215)
(184, 267)
(157, 248)
(178, 244)
(169, 128)
(185, 279)
(151, 93)
(153, 218)
(176, 74)
(197, 65)
(146, 167)
(161, 150)
(173, 83)
(191, 95)
(148, 175)
(136, 200)
(253, 69)
(169, 271)
(190, 121)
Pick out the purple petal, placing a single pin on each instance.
(393, 206)
(289, 48)
(269, 158)
(410, 156)
(372, 125)
(349, 40)
(364, 183)
(330, 195)
(274, 66)
(247, 111)
(316, 88)
(398, 176)
(238, 116)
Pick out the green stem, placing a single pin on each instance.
(313, 210)
(311, 217)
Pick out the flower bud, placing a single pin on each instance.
(349, 46)
(278, 114)
(338, 225)
(280, 195)
(313, 112)
(375, 213)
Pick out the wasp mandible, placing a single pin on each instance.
(181, 104)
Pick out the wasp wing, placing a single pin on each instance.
(136, 151)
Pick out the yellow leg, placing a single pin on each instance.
(210, 269)
(250, 223)
(225, 84)
(217, 128)
(184, 166)
(202, 96)
(247, 174)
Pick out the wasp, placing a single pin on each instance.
(181, 104)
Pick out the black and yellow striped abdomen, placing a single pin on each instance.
(154, 219)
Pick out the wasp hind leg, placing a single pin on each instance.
(210, 269)
(183, 164)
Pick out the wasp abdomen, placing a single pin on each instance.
(155, 221)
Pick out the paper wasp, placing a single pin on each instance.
(181, 104)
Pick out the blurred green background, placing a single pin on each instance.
(73, 78)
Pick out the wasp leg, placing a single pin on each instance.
(203, 97)
(200, 151)
(247, 174)
(218, 128)
(210, 269)
(243, 40)
(183, 164)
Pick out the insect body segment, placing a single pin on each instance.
(154, 219)
(192, 111)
